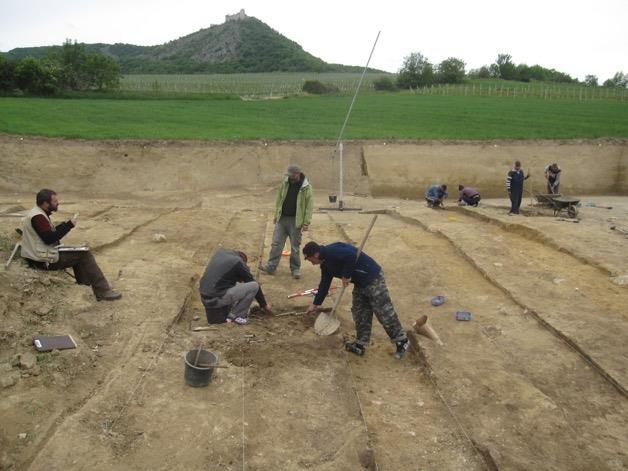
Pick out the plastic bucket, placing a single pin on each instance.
(195, 376)
(332, 198)
(217, 315)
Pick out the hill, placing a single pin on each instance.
(241, 44)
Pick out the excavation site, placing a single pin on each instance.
(527, 367)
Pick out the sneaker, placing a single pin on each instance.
(109, 295)
(402, 348)
(266, 270)
(241, 320)
(355, 347)
(296, 275)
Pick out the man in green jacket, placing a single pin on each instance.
(293, 215)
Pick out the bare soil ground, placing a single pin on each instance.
(537, 379)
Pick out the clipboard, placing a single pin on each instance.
(44, 343)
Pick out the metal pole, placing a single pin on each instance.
(355, 95)
(340, 192)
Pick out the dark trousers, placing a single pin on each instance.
(86, 270)
(471, 201)
(516, 194)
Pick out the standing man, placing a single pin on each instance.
(552, 175)
(227, 288)
(435, 195)
(40, 247)
(293, 215)
(468, 196)
(514, 185)
(370, 294)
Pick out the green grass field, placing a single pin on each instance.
(375, 116)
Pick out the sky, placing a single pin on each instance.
(573, 36)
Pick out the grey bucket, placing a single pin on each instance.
(196, 376)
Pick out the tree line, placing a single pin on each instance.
(70, 67)
(417, 72)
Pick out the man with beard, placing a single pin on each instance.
(41, 247)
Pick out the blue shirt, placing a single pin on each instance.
(339, 260)
(436, 192)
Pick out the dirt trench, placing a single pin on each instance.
(505, 392)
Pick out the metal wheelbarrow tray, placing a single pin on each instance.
(559, 203)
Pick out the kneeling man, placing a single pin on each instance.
(435, 195)
(41, 241)
(227, 288)
(468, 196)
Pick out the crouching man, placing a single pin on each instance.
(435, 195)
(40, 247)
(227, 288)
(468, 196)
(370, 294)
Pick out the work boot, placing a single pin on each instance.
(266, 270)
(402, 348)
(355, 347)
(108, 295)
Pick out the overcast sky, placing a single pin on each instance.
(573, 36)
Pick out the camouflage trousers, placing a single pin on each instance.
(375, 299)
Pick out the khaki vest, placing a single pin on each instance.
(33, 247)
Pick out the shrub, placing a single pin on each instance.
(316, 87)
(384, 83)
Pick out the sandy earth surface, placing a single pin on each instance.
(536, 380)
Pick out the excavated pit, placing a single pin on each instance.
(536, 380)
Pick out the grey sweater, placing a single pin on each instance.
(224, 270)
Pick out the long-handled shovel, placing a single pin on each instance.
(327, 324)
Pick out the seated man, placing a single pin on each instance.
(552, 175)
(435, 195)
(468, 196)
(227, 288)
(40, 241)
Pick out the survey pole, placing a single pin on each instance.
(340, 191)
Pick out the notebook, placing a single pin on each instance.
(56, 342)
(73, 248)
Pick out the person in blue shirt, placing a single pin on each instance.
(370, 294)
(435, 195)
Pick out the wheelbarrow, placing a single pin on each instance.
(559, 203)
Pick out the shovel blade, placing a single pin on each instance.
(326, 324)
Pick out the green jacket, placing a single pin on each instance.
(305, 202)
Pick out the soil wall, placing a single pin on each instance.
(400, 169)
(407, 169)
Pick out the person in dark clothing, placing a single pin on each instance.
(468, 196)
(435, 195)
(370, 294)
(293, 215)
(514, 185)
(227, 288)
(41, 247)
(552, 175)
